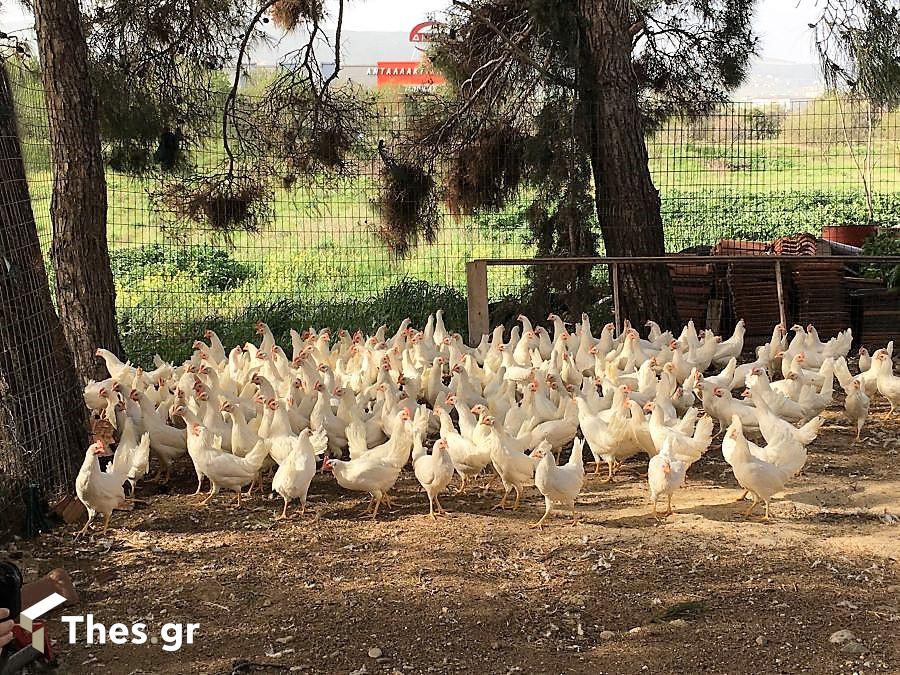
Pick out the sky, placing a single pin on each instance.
(782, 25)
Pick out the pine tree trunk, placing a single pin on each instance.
(84, 284)
(42, 430)
(628, 204)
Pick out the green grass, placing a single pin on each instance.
(318, 261)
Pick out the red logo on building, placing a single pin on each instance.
(422, 31)
(406, 73)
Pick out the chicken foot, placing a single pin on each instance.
(212, 493)
(540, 522)
(489, 485)
(84, 529)
(518, 498)
(502, 504)
(752, 506)
(283, 515)
(613, 468)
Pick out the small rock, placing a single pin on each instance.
(495, 645)
(636, 629)
(761, 641)
(841, 636)
(360, 671)
(678, 623)
(374, 653)
(854, 648)
(607, 635)
(284, 640)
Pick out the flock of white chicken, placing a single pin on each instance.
(370, 405)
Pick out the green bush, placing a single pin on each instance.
(884, 242)
(144, 334)
(214, 269)
(696, 218)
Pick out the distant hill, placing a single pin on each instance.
(358, 48)
(776, 79)
(768, 79)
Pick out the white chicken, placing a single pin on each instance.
(760, 478)
(102, 491)
(513, 466)
(434, 473)
(224, 470)
(296, 472)
(365, 474)
(856, 405)
(888, 385)
(665, 474)
(560, 485)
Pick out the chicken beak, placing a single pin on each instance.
(667, 469)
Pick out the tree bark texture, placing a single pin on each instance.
(628, 204)
(85, 291)
(42, 430)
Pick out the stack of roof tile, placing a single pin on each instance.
(694, 285)
(753, 292)
(796, 244)
(821, 296)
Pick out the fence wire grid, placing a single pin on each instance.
(749, 172)
(39, 407)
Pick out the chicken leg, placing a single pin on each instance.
(441, 511)
(502, 504)
(283, 515)
(540, 522)
(377, 504)
(106, 523)
(84, 529)
(212, 493)
(518, 498)
(490, 483)
(575, 519)
(612, 470)
(752, 506)
(670, 510)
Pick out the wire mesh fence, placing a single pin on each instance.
(714, 291)
(39, 399)
(747, 173)
(732, 182)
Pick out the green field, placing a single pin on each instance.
(318, 261)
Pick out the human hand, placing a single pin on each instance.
(6, 628)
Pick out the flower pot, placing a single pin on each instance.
(852, 235)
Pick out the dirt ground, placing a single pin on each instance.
(705, 590)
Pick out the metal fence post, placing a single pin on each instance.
(780, 288)
(617, 310)
(477, 300)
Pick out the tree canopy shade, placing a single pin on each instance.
(582, 83)
(554, 96)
